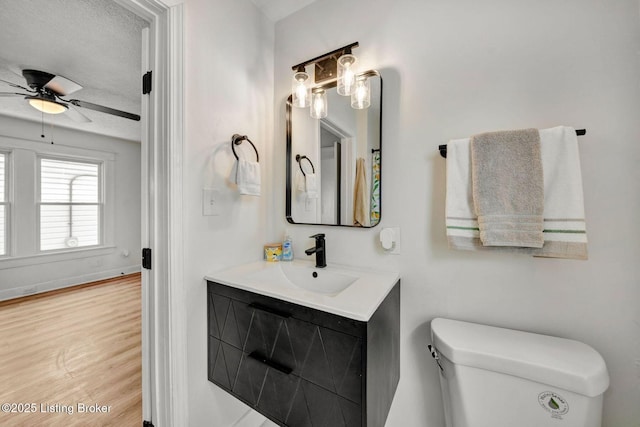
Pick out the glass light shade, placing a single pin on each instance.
(346, 74)
(301, 89)
(361, 96)
(319, 104)
(48, 107)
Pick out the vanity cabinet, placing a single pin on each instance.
(300, 366)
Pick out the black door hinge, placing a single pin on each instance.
(146, 258)
(146, 83)
(147, 424)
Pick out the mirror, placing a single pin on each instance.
(333, 164)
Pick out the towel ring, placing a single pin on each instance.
(237, 139)
(299, 159)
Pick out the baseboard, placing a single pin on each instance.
(66, 282)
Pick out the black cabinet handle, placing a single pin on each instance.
(275, 312)
(270, 363)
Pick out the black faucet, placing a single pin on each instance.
(319, 250)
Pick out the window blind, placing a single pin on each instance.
(70, 204)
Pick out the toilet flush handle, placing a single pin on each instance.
(435, 355)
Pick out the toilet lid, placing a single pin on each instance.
(559, 362)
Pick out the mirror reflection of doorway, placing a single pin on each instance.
(331, 194)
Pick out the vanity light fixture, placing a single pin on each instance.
(361, 95)
(318, 103)
(346, 73)
(337, 67)
(301, 88)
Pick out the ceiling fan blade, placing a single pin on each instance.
(17, 86)
(62, 85)
(76, 115)
(37, 79)
(7, 94)
(103, 109)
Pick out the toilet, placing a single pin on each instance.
(495, 377)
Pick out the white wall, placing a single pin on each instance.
(452, 69)
(37, 274)
(229, 89)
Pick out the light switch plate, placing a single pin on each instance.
(210, 202)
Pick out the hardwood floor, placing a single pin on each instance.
(69, 354)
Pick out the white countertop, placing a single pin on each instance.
(359, 301)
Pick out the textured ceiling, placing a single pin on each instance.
(95, 43)
(278, 9)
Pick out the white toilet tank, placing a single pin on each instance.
(495, 377)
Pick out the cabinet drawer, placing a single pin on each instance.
(283, 397)
(317, 317)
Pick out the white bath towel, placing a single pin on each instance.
(564, 219)
(248, 177)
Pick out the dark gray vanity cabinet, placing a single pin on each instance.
(304, 367)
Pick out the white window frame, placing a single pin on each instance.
(22, 247)
(6, 203)
(100, 203)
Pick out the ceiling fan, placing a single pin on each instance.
(45, 93)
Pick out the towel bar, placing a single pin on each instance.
(299, 159)
(443, 148)
(237, 139)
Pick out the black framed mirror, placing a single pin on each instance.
(334, 163)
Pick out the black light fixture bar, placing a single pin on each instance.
(323, 56)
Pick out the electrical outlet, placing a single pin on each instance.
(210, 202)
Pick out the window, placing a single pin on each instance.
(3, 204)
(70, 204)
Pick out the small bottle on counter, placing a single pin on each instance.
(287, 248)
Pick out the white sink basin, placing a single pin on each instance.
(326, 281)
(346, 291)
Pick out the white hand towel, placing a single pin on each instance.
(564, 219)
(248, 177)
(311, 185)
(301, 184)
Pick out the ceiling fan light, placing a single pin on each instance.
(48, 107)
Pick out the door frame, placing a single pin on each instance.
(164, 382)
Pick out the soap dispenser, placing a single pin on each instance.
(287, 248)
